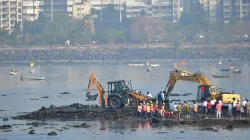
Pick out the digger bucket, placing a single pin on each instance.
(91, 97)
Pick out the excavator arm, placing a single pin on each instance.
(100, 90)
(176, 75)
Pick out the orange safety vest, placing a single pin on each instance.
(139, 108)
(151, 107)
(144, 109)
(148, 109)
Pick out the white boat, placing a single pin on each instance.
(155, 65)
(31, 78)
(136, 65)
(220, 62)
(13, 73)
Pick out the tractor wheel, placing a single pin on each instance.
(134, 104)
(115, 102)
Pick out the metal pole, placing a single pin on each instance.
(52, 10)
(101, 10)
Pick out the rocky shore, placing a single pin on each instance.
(62, 54)
(79, 112)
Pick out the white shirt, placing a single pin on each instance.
(205, 103)
(149, 95)
(212, 102)
(234, 103)
(244, 103)
(175, 107)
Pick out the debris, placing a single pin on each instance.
(83, 125)
(32, 132)
(53, 133)
(64, 93)
(5, 127)
(5, 119)
(45, 97)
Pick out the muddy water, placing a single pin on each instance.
(17, 97)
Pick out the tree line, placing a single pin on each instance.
(193, 26)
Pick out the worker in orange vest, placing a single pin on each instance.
(151, 109)
(139, 111)
(148, 110)
(156, 110)
(144, 110)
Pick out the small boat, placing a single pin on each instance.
(13, 73)
(31, 78)
(136, 65)
(220, 62)
(224, 69)
(148, 69)
(155, 65)
(236, 71)
(221, 76)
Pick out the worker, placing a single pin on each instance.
(139, 111)
(105, 97)
(148, 110)
(213, 106)
(248, 108)
(151, 109)
(144, 110)
(230, 109)
(179, 109)
(167, 114)
(209, 108)
(184, 107)
(204, 105)
(149, 95)
(234, 105)
(175, 111)
(171, 108)
(218, 110)
(244, 106)
(163, 109)
(195, 109)
(159, 99)
(237, 108)
(156, 110)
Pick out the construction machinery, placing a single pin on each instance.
(205, 91)
(119, 93)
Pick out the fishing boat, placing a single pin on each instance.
(236, 71)
(136, 65)
(155, 65)
(221, 76)
(13, 72)
(32, 69)
(225, 69)
(31, 78)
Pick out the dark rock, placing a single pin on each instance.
(45, 97)
(34, 99)
(181, 132)
(5, 127)
(4, 95)
(103, 128)
(229, 127)
(32, 132)
(6, 130)
(53, 133)
(207, 129)
(155, 120)
(2, 110)
(36, 124)
(83, 125)
(162, 132)
(5, 119)
(133, 129)
(64, 93)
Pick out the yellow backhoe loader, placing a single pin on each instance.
(206, 91)
(119, 93)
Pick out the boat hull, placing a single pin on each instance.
(225, 70)
(13, 73)
(221, 76)
(34, 79)
(237, 71)
(136, 65)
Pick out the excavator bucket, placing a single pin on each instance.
(91, 97)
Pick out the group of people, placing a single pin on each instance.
(210, 108)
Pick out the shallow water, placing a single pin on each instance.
(74, 79)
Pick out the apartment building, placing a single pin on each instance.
(10, 14)
(31, 9)
(236, 9)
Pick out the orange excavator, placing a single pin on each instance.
(119, 93)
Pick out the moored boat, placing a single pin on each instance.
(13, 73)
(31, 78)
(236, 71)
(135, 64)
(221, 76)
(155, 65)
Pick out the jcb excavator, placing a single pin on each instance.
(119, 93)
(206, 91)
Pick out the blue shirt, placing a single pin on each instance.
(162, 96)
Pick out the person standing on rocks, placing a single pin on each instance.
(248, 108)
(156, 110)
(244, 106)
(175, 111)
(151, 109)
(204, 105)
(230, 109)
(179, 109)
(144, 110)
(209, 108)
(160, 100)
(234, 105)
(148, 111)
(139, 111)
(218, 110)
(237, 107)
(195, 109)
(213, 106)
(171, 108)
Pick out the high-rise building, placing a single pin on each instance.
(31, 9)
(55, 6)
(11, 14)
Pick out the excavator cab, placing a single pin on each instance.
(205, 92)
